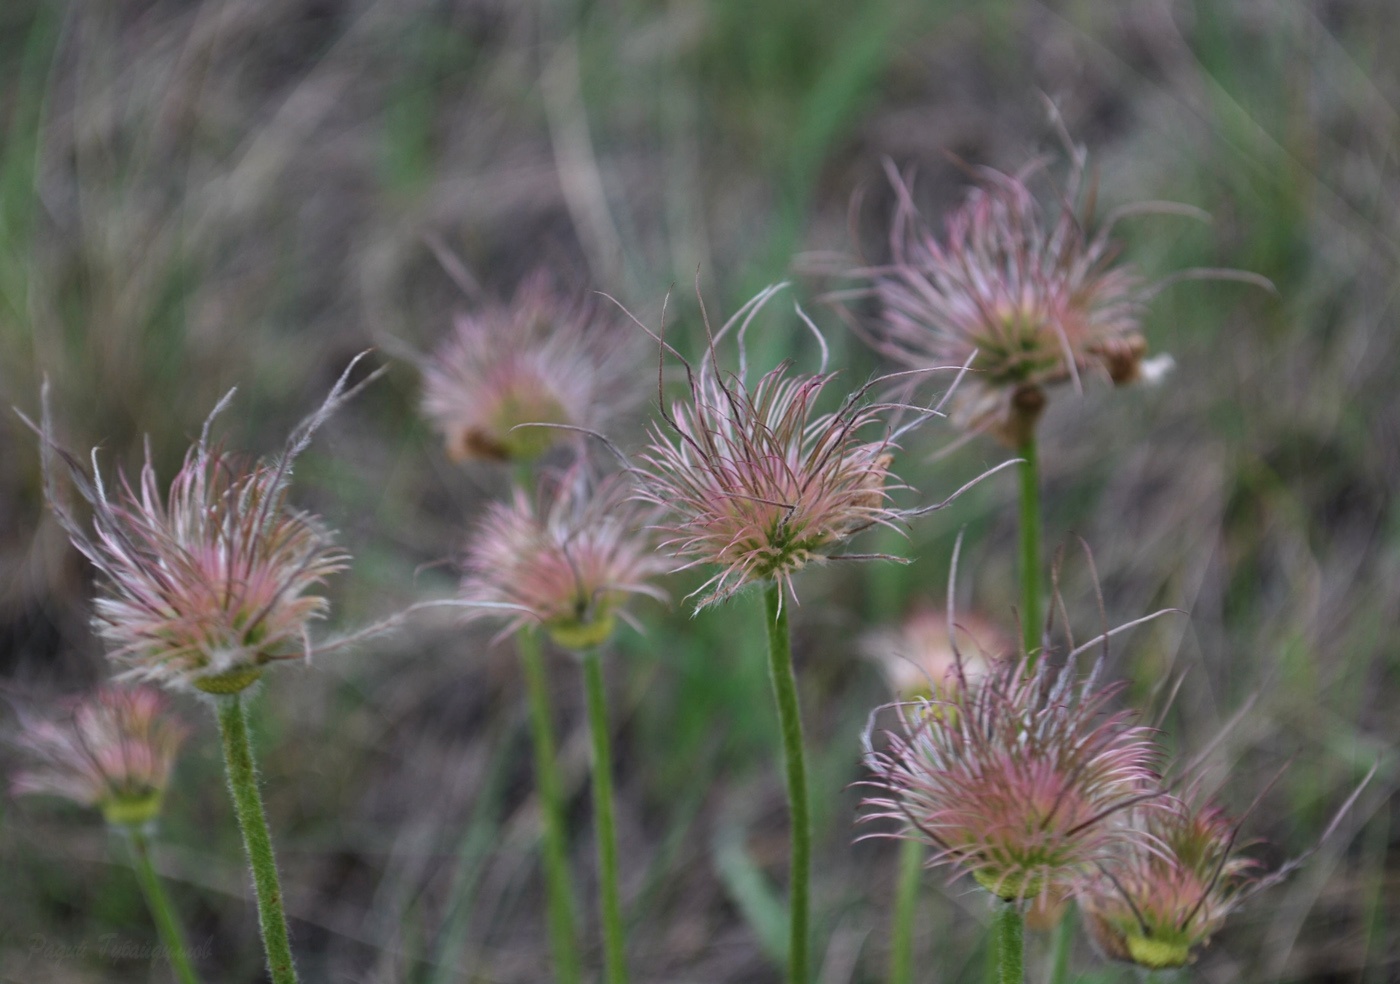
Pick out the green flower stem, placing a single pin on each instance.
(906, 906)
(1031, 584)
(608, 895)
(790, 722)
(1008, 929)
(1060, 944)
(247, 803)
(563, 935)
(167, 926)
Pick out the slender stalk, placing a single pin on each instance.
(1060, 947)
(563, 935)
(172, 938)
(252, 821)
(790, 722)
(906, 907)
(1008, 929)
(1031, 584)
(609, 898)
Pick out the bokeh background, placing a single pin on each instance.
(201, 194)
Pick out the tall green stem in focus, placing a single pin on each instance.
(1031, 583)
(247, 803)
(167, 926)
(1008, 929)
(609, 897)
(906, 905)
(790, 722)
(562, 933)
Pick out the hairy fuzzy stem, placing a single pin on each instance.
(790, 722)
(563, 934)
(167, 926)
(1031, 610)
(252, 821)
(1060, 944)
(609, 897)
(1008, 928)
(906, 905)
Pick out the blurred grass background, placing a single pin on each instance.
(197, 194)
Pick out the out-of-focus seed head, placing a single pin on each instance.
(207, 585)
(113, 750)
(542, 359)
(1016, 779)
(1040, 301)
(1157, 903)
(568, 564)
(925, 656)
(757, 481)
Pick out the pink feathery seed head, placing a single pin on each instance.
(1030, 301)
(926, 656)
(1016, 778)
(114, 749)
(757, 480)
(1161, 899)
(202, 588)
(545, 358)
(568, 564)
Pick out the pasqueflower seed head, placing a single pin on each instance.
(1160, 900)
(207, 585)
(1016, 778)
(1039, 301)
(925, 656)
(568, 564)
(543, 359)
(757, 481)
(114, 750)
